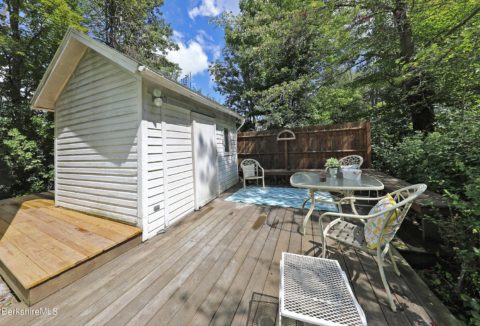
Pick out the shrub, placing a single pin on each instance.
(448, 161)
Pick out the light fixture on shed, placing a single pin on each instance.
(157, 97)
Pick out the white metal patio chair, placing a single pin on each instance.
(252, 170)
(384, 221)
(351, 161)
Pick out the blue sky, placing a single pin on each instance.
(200, 41)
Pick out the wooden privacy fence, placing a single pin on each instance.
(310, 147)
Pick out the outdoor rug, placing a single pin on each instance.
(280, 196)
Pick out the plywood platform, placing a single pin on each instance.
(44, 248)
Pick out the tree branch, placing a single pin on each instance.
(454, 28)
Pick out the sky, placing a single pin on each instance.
(199, 40)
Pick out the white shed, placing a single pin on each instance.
(130, 144)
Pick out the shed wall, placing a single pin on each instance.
(227, 161)
(155, 214)
(96, 120)
(170, 185)
(170, 171)
(179, 163)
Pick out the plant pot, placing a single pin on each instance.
(332, 172)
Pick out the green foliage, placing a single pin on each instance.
(27, 164)
(30, 32)
(271, 65)
(294, 63)
(447, 160)
(332, 163)
(135, 28)
(410, 67)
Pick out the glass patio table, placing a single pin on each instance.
(314, 182)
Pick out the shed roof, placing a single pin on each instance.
(71, 51)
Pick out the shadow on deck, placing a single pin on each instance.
(220, 266)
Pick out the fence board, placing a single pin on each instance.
(312, 146)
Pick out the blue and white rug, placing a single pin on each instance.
(280, 196)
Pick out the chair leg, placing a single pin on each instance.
(279, 316)
(339, 206)
(244, 183)
(263, 182)
(384, 281)
(324, 247)
(394, 263)
(309, 213)
(304, 203)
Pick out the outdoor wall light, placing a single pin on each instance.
(157, 97)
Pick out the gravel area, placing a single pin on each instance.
(6, 296)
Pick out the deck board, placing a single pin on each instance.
(212, 302)
(207, 268)
(39, 241)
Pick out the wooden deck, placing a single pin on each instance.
(427, 202)
(44, 248)
(220, 266)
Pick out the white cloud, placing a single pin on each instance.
(212, 8)
(190, 57)
(208, 44)
(177, 36)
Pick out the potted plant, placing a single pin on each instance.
(332, 165)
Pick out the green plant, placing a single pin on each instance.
(332, 163)
(447, 161)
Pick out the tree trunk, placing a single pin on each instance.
(110, 23)
(16, 61)
(417, 87)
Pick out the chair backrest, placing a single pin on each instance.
(249, 167)
(404, 199)
(355, 161)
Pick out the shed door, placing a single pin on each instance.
(205, 159)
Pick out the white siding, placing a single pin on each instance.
(155, 220)
(227, 162)
(179, 163)
(170, 164)
(96, 122)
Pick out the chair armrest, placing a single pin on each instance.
(361, 198)
(263, 171)
(358, 217)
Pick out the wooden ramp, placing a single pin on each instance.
(44, 248)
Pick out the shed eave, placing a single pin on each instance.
(177, 88)
(64, 62)
(68, 56)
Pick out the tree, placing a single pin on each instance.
(270, 63)
(30, 32)
(284, 60)
(135, 28)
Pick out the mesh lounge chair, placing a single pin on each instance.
(316, 291)
(383, 221)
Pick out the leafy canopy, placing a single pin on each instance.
(30, 32)
(135, 28)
